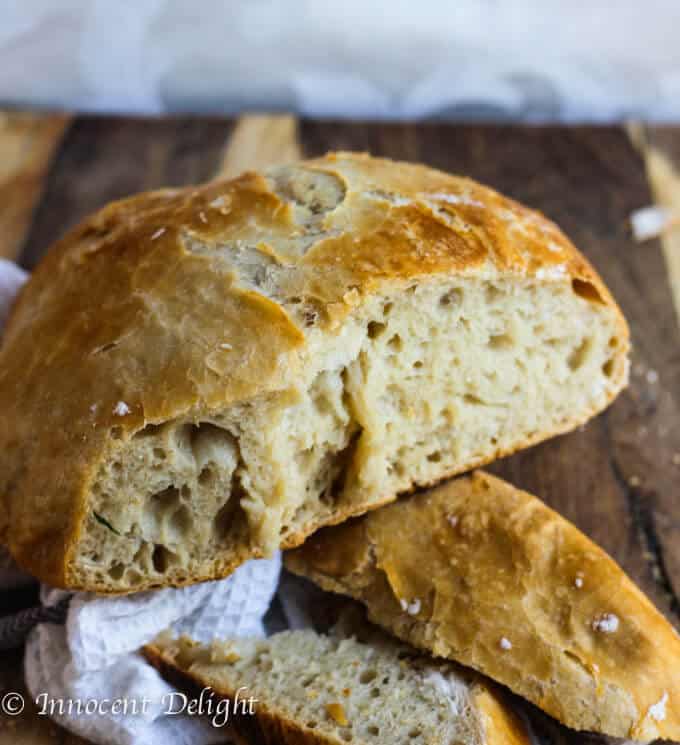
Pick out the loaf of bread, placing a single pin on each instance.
(193, 378)
(330, 690)
(483, 573)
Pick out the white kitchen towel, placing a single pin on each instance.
(91, 660)
(494, 59)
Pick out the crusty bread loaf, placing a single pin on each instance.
(195, 377)
(327, 690)
(485, 574)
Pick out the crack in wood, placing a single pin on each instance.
(643, 522)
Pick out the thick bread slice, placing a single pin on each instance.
(192, 378)
(483, 573)
(311, 688)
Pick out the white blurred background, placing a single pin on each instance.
(544, 60)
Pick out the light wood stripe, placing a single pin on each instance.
(28, 143)
(664, 181)
(260, 141)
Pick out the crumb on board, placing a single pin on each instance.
(652, 221)
(505, 643)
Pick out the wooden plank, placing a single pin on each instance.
(106, 158)
(616, 479)
(27, 144)
(260, 141)
(660, 148)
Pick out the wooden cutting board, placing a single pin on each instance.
(618, 478)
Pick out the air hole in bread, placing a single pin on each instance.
(587, 291)
(181, 521)
(150, 430)
(117, 571)
(162, 558)
(367, 676)
(580, 354)
(206, 476)
(608, 368)
(310, 316)
(472, 400)
(132, 576)
(397, 467)
(396, 343)
(453, 298)
(166, 499)
(501, 341)
(376, 329)
(493, 294)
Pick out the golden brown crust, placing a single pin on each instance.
(507, 586)
(126, 308)
(501, 725)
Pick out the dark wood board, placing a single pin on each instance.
(618, 478)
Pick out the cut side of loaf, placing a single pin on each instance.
(193, 378)
(485, 574)
(309, 688)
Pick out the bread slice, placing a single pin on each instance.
(310, 688)
(193, 378)
(483, 573)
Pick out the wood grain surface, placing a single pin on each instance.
(618, 478)
(27, 144)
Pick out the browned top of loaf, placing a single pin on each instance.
(483, 573)
(144, 303)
